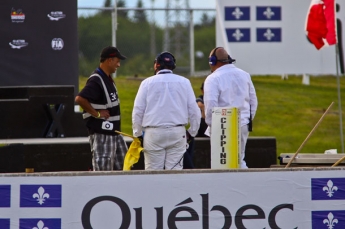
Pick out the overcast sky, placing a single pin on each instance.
(207, 4)
(147, 3)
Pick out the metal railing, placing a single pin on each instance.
(185, 24)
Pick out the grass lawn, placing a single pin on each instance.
(288, 110)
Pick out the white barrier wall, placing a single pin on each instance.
(252, 199)
(268, 37)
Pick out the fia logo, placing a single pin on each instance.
(57, 44)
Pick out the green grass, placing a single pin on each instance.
(288, 110)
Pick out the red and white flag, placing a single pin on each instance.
(321, 23)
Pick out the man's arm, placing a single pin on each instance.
(253, 100)
(202, 108)
(194, 114)
(210, 99)
(138, 111)
(85, 104)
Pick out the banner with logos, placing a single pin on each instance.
(39, 43)
(225, 138)
(268, 37)
(294, 198)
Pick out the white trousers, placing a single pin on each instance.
(244, 137)
(164, 148)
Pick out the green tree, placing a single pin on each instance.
(107, 3)
(206, 20)
(139, 15)
(133, 39)
(204, 40)
(122, 13)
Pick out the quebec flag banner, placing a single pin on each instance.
(40, 196)
(328, 219)
(39, 223)
(238, 13)
(269, 34)
(5, 196)
(328, 189)
(5, 223)
(268, 13)
(238, 34)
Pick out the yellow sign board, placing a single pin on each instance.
(225, 138)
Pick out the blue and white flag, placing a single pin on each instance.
(5, 223)
(237, 13)
(40, 196)
(238, 34)
(328, 219)
(5, 196)
(268, 13)
(268, 34)
(328, 189)
(39, 223)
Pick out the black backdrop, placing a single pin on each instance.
(38, 42)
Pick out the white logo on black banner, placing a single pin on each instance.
(56, 15)
(57, 44)
(17, 15)
(18, 44)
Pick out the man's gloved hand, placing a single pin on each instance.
(141, 139)
(189, 137)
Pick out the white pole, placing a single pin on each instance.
(339, 100)
(114, 27)
(114, 24)
(191, 43)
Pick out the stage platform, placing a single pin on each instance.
(42, 130)
(74, 154)
(311, 159)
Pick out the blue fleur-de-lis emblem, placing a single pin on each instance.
(40, 225)
(330, 188)
(237, 13)
(268, 13)
(40, 195)
(330, 221)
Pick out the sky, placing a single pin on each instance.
(199, 4)
(147, 3)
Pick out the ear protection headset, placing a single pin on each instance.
(160, 60)
(213, 58)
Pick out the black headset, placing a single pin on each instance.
(159, 60)
(213, 58)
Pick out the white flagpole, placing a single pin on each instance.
(339, 99)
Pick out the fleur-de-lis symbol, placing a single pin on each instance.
(40, 225)
(330, 188)
(40, 195)
(330, 221)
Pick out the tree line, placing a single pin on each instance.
(133, 38)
